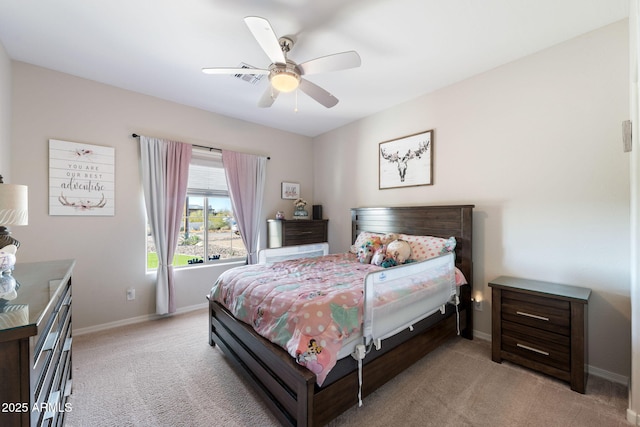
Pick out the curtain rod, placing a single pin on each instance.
(135, 135)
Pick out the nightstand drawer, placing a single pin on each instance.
(538, 312)
(535, 344)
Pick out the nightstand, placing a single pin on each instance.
(296, 232)
(542, 326)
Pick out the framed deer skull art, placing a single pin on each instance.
(407, 161)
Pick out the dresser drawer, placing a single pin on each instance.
(535, 344)
(303, 237)
(538, 312)
(53, 347)
(296, 232)
(50, 323)
(48, 340)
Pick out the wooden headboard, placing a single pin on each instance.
(438, 221)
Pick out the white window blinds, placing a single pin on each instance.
(206, 175)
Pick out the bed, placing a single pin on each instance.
(292, 391)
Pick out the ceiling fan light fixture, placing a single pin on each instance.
(284, 81)
(284, 77)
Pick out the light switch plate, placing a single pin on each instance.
(626, 136)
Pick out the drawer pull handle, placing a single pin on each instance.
(535, 316)
(526, 347)
(50, 343)
(67, 344)
(52, 405)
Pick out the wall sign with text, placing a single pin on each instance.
(81, 179)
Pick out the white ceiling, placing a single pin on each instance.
(408, 47)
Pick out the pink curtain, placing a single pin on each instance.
(246, 175)
(165, 172)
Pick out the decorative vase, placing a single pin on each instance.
(300, 213)
(280, 215)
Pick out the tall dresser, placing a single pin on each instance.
(296, 232)
(35, 346)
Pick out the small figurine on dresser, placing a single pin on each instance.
(300, 212)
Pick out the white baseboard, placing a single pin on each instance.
(133, 320)
(611, 376)
(592, 370)
(632, 417)
(482, 335)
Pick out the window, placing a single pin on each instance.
(209, 232)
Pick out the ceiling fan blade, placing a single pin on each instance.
(335, 62)
(263, 33)
(317, 93)
(223, 70)
(268, 97)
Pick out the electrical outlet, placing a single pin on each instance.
(477, 305)
(131, 294)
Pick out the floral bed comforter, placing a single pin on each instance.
(308, 306)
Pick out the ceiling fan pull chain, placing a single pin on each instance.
(295, 110)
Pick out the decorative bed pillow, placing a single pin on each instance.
(460, 279)
(362, 238)
(425, 247)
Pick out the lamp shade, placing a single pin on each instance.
(14, 204)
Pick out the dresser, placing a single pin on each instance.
(35, 346)
(296, 232)
(542, 326)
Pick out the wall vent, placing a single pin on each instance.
(249, 78)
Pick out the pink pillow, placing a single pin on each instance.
(460, 279)
(425, 247)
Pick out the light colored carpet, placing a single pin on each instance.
(164, 373)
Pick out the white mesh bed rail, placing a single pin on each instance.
(292, 252)
(419, 290)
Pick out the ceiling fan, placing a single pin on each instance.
(284, 74)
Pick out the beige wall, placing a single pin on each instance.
(536, 146)
(5, 115)
(110, 251)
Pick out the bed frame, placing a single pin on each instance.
(290, 390)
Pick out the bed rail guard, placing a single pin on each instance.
(292, 252)
(383, 319)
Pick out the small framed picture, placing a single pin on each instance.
(290, 190)
(406, 161)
